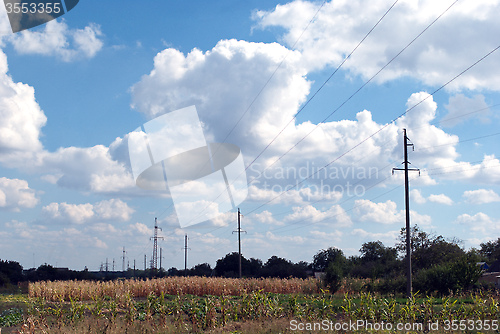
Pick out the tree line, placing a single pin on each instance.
(439, 265)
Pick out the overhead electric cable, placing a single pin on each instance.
(260, 91)
(343, 103)
(323, 85)
(358, 90)
(385, 126)
(317, 91)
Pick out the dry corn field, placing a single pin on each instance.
(197, 286)
(219, 305)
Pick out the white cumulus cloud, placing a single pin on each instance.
(56, 39)
(107, 210)
(16, 194)
(441, 199)
(481, 196)
(480, 223)
(433, 59)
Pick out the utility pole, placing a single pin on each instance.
(113, 264)
(154, 260)
(185, 254)
(107, 265)
(407, 207)
(239, 241)
(123, 259)
(145, 262)
(134, 268)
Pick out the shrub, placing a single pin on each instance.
(333, 277)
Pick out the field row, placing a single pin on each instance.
(197, 286)
(188, 313)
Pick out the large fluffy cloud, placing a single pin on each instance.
(222, 83)
(90, 168)
(21, 117)
(434, 58)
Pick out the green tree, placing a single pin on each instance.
(376, 261)
(335, 270)
(323, 258)
(278, 267)
(282, 268)
(333, 277)
(454, 276)
(11, 272)
(428, 249)
(228, 266)
(375, 251)
(491, 250)
(203, 269)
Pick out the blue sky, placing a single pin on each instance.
(73, 89)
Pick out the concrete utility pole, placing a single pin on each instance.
(239, 241)
(154, 260)
(407, 207)
(185, 254)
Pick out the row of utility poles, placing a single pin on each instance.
(155, 239)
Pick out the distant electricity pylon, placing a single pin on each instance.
(407, 207)
(239, 241)
(123, 259)
(154, 260)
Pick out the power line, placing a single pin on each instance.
(364, 203)
(461, 141)
(323, 85)
(385, 126)
(263, 87)
(466, 114)
(317, 91)
(419, 149)
(359, 89)
(375, 184)
(376, 197)
(345, 101)
(464, 170)
(379, 182)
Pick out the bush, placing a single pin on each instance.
(452, 276)
(333, 277)
(396, 285)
